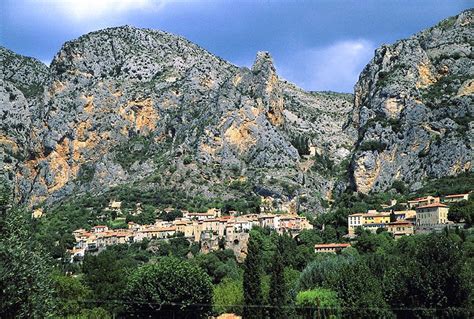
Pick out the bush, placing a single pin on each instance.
(187, 160)
(301, 144)
(400, 187)
(322, 164)
(372, 146)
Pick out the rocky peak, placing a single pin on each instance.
(127, 105)
(263, 63)
(414, 108)
(266, 84)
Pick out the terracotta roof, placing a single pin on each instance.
(120, 234)
(381, 214)
(456, 195)
(159, 229)
(357, 214)
(333, 245)
(210, 220)
(432, 205)
(200, 214)
(421, 198)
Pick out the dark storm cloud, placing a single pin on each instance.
(319, 45)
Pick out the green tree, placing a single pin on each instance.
(428, 274)
(228, 296)
(278, 292)
(319, 270)
(319, 302)
(105, 274)
(70, 293)
(368, 242)
(252, 281)
(171, 287)
(463, 211)
(93, 313)
(219, 264)
(25, 283)
(359, 290)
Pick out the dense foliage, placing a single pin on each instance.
(252, 280)
(170, 287)
(25, 284)
(420, 276)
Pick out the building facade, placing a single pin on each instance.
(431, 215)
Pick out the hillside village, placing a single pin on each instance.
(212, 230)
(424, 214)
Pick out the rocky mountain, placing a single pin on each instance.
(414, 109)
(136, 106)
(149, 111)
(22, 81)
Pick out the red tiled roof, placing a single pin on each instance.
(432, 205)
(357, 214)
(456, 195)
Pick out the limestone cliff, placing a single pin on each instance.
(414, 108)
(127, 105)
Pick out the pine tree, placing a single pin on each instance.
(253, 297)
(277, 285)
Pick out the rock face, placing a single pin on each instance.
(127, 105)
(22, 82)
(414, 108)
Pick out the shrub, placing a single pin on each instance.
(187, 160)
(372, 146)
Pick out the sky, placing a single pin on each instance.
(316, 44)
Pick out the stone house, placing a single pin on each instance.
(401, 228)
(422, 201)
(431, 215)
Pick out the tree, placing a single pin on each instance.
(70, 292)
(359, 290)
(252, 281)
(228, 296)
(317, 272)
(322, 301)
(171, 287)
(25, 284)
(278, 291)
(462, 211)
(393, 217)
(219, 264)
(428, 274)
(105, 274)
(369, 243)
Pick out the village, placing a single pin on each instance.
(421, 215)
(209, 229)
(212, 229)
